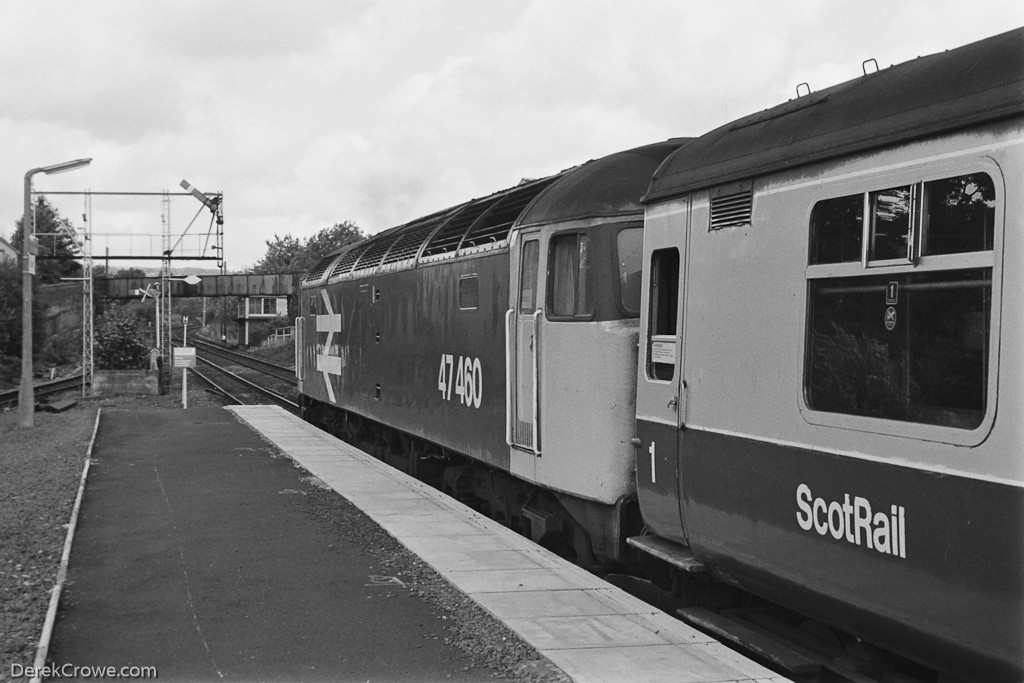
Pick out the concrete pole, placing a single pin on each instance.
(26, 390)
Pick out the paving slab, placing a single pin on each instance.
(592, 630)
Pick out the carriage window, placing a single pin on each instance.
(570, 263)
(469, 292)
(960, 213)
(837, 226)
(890, 232)
(664, 305)
(923, 358)
(912, 347)
(630, 244)
(528, 277)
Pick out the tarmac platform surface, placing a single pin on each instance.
(195, 553)
(191, 556)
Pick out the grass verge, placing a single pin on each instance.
(40, 469)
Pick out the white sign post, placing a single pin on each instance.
(184, 358)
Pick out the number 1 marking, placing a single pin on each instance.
(654, 479)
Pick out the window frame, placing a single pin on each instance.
(464, 278)
(865, 184)
(590, 290)
(619, 289)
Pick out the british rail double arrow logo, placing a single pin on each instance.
(325, 364)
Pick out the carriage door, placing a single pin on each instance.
(660, 399)
(523, 428)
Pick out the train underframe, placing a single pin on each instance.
(585, 532)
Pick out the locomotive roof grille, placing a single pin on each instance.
(349, 259)
(448, 237)
(318, 270)
(375, 251)
(408, 245)
(496, 223)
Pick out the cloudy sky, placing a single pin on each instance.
(306, 113)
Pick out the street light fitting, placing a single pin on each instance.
(61, 167)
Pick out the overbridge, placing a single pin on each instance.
(245, 285)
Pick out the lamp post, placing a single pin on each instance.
(26, 392)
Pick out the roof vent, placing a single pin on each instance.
(318, 270)
(732, 206)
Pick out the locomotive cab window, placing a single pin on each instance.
(569, 295)
(528, 277)
(629, 245)
(664, 305)
(911, 344)
(469, 292)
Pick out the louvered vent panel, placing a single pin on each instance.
(494, 226)
(349, 260)
(447, 238)
(374, 253)
(409, 243)
(731, 210)
(319, 268)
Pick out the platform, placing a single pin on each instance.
(590, 629)
(200, 551)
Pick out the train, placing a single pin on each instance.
(779, 360)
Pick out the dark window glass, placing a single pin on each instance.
(469, 292)
(630, 246)
(890, 224)
(570, 263)
(528, 277)
(960, 214)
(836, 230)
(664, 305)
(902, 347)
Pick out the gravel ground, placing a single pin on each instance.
(39, 474)
(40, 469)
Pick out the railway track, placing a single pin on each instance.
(10, 397)
(224, 379)
(280, 372)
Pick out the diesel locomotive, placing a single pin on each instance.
(781, 357)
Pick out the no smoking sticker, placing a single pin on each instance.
(890, 318)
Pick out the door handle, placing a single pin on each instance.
(673, 403)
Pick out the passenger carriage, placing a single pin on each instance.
(829, 380)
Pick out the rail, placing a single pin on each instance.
(10, 397)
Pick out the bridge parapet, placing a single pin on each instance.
(246, 284)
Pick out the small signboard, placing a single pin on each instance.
(663, 351)
(184, 357)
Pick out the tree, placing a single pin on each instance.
(56, 239)
(290, 255)
(121, 342)
(130, 272)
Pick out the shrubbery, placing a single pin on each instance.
(258, 332)
(122, 342)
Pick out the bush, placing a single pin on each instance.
(258, 332)
(122, 343)
(63, 348)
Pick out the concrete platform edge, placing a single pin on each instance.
(62, 572)
(602, 634)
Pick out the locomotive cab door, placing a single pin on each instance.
(660, 398)
(522, 349)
